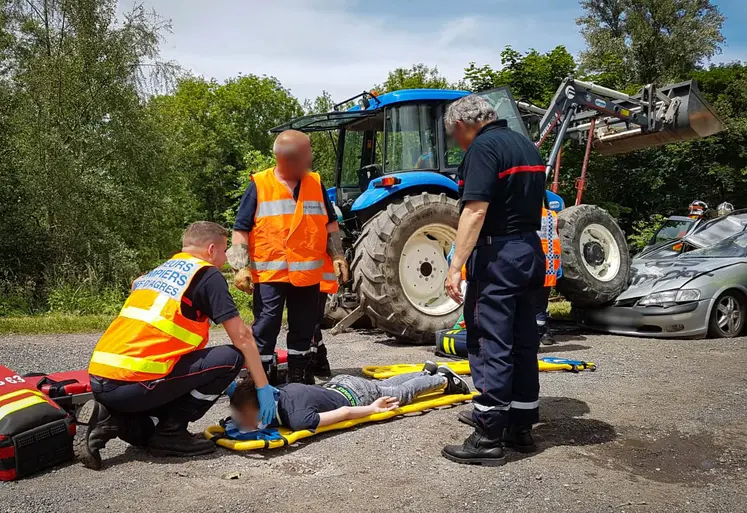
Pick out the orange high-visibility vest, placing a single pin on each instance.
(551, 246)
(150, 333)
(329, 284)
(289, 240)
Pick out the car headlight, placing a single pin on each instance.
(670, 297)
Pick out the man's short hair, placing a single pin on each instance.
(471, 110)
(203, 233)
(244, 393)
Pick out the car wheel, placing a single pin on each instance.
(728, 315)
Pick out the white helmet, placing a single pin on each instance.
(725, 208)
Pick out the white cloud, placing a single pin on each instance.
(315, 45)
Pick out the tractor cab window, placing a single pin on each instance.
(352, 152)
(411, 139)
(454, 154)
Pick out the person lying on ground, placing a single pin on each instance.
(344, 397)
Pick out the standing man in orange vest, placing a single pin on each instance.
(151, 373)
(285, 229)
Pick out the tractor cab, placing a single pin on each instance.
(395, 141)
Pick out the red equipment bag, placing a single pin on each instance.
(35, 433)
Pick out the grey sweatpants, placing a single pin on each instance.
(405, 387)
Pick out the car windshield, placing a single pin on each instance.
(717, 230)
(733, 247)
(672, 229)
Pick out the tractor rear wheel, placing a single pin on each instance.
(595, 258)
(400, 267)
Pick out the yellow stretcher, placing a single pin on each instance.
(426, 402)
(548, 364)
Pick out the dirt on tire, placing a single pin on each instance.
(376, 266)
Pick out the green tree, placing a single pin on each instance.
(82, 158)
(324, 144)
(214, 126)
(646, 41)
(417, 76)
(533, 76)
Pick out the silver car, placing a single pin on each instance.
(700, 293)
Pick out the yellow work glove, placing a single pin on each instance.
(342, 271)
(243, 280)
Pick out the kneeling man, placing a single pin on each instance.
(151, 373)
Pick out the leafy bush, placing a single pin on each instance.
(643, 231)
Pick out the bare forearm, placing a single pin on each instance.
(345, 413)
(470, 224)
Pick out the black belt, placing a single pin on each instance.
(492, 239)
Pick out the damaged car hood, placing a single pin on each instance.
(649, 276)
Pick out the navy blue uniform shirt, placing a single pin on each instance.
(248, 206)
(299, 405)
(505, 169)
(208, 296)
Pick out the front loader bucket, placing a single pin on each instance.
(694, 119)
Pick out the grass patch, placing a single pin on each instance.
(560, 310)
(78, 321)
(54, 323)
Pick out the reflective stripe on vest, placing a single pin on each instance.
(19, 404)
(289, 239)
(151, 334)
(153, 317)
(551, 246)
(329, 284)
(129, 363)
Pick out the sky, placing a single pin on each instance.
(346, 46)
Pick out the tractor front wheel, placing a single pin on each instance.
(595, 258)
(400, 267)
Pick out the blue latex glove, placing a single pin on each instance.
(267, 405)
(451, 253)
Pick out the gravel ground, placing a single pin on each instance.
(659, 427)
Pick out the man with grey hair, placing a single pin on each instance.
(502, 186)
(285, 240)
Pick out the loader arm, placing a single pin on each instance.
(614, 122)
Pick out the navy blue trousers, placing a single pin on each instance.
(269, 301)
(319, 320)
(503, 279)
(543, 300)
(184, 395)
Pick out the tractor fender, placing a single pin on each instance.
(415, 180)
(554, 201)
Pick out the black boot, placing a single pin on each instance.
(477, 449)
(300, 375)
(171, 438)
(320, 364)
(547, 339)
(520, 439)
(465, 417)
(455, 384)
(95, 428)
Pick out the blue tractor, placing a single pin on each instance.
(396, 192)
